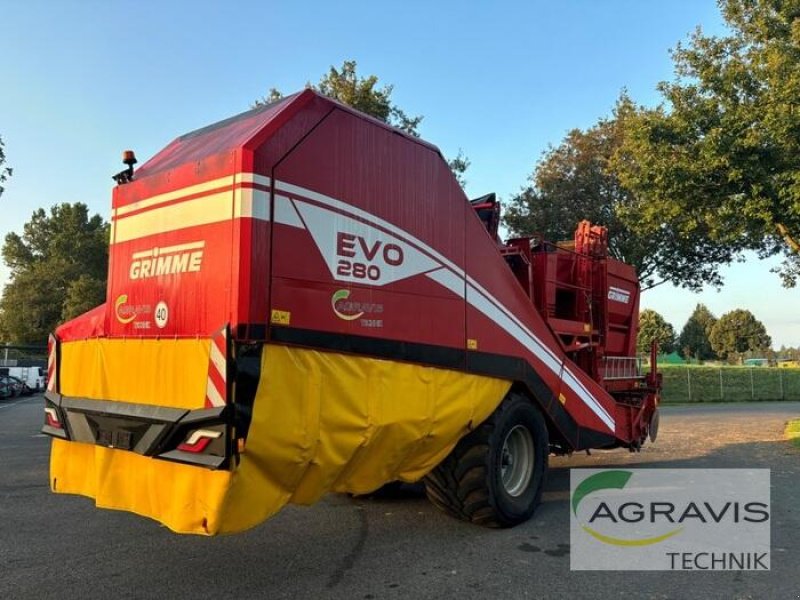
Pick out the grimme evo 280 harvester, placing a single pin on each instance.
(302, 300)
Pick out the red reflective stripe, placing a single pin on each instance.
(216, 384)
(214, 397)
(198, 446)
(221, 344)
(52, 418)
(51, 363)
(218, 381)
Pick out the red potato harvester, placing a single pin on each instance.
(302, 300)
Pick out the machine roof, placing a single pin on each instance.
(225, 135)
(235, 132)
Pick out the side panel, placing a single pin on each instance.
(172, 248)
(343, 259)
(254, 229)
(371, 243)
(623, 309)
(173, 282)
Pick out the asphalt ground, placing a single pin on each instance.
(54, 546)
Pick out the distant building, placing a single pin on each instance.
(673, 358)
(788, 363)
(756, 362)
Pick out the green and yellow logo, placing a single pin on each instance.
(610, 480)
(338, 296)
(124, 312)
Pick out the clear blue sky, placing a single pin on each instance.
(81, 81)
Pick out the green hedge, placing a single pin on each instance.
(729, 384)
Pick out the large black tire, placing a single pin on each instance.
(485, 479)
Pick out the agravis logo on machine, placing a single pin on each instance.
(168, 260)
(126, 312)
(343, 295)
(349, 310)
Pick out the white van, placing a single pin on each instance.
(34, 377)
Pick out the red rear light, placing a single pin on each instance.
(51, 417)
(199, 440)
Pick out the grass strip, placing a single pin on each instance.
(793, 432)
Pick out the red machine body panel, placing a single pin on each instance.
(623, 309)
(308, 223)
(332, 244)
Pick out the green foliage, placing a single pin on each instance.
(737, 332)
(83, 294)
(5, 171)
(362, 93)
(577, 180)
(652, 326)
(273, 96)
(459, 166)
(720, 159)
(693, 340)
(572, 182)
(729, 384)
(58, 270)
(789, 353)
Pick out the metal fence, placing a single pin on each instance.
(22, 356)
(729, 384)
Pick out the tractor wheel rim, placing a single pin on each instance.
(516, 463)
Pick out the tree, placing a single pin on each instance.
(5, 171)
(58, 270)
(363, 94)
(577, 180)
(789, 353)
(83, 294)
(459, 166)
(737, 332)
(652, 326)
(720, 157)
(693, 340)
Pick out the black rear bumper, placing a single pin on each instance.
(154, 431)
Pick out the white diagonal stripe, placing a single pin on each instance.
(218, 360)
(213, 395)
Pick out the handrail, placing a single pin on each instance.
(622, 367)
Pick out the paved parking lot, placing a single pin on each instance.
(62, 547)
